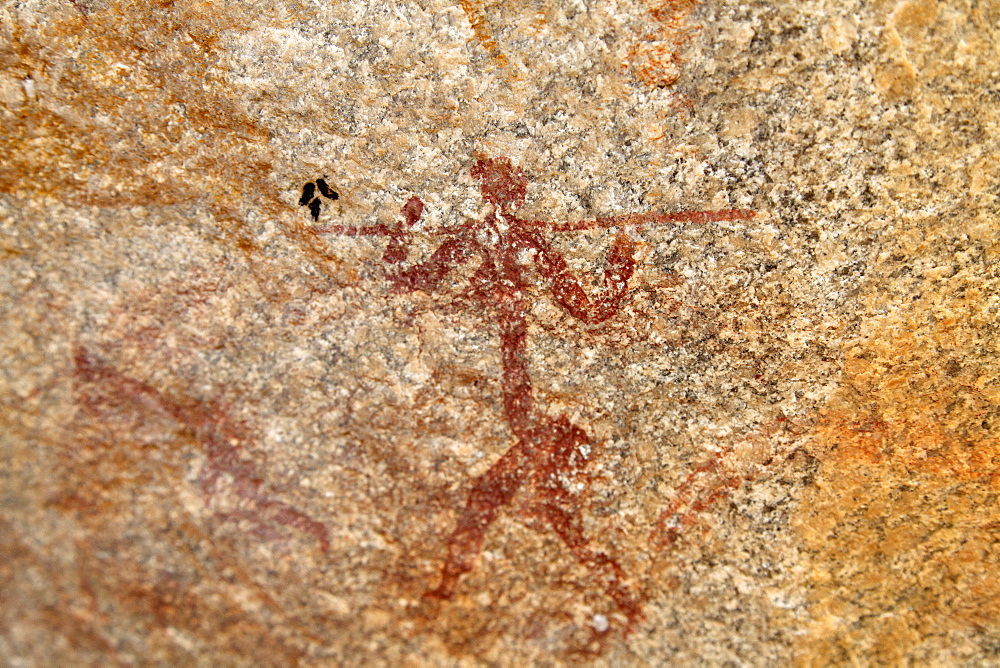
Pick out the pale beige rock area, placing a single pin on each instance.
(227, 439)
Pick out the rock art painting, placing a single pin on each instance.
(104, 390)
(318, 352)
(551, 454)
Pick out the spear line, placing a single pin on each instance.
(379, 230)
(602, 222)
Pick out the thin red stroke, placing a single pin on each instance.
(214, 430)
(550, 452)
(717, 478)
(706, 485)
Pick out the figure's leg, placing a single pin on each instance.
(518, 403)
(491, 491)
(563, 459)
(566, 523)
(495, 488)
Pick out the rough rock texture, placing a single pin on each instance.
(494, 405)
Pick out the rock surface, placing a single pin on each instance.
(480, 398)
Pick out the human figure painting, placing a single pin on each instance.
(550, 450)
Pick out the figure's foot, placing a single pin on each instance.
(566, 450)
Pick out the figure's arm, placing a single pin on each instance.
(411, 211)
(567, 291)
(424, 276)
(428, 275)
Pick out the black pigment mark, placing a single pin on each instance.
(314, 203)
(325, 189)
(307, 194)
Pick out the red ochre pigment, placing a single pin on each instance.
(549, 450)
(103, 388)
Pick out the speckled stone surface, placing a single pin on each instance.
(490, 404)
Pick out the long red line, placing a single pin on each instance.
(602, 222)
(646, 219)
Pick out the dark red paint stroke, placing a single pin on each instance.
(549, 450)
(639, 219)
(567, 291)
(213, 429)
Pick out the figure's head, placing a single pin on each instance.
(501, 182)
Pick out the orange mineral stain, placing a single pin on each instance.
(655, 59)
(127, 111)
(480, 27)
(902, 526)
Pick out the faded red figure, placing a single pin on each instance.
(549, 450)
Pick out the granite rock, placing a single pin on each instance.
(619, 333)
